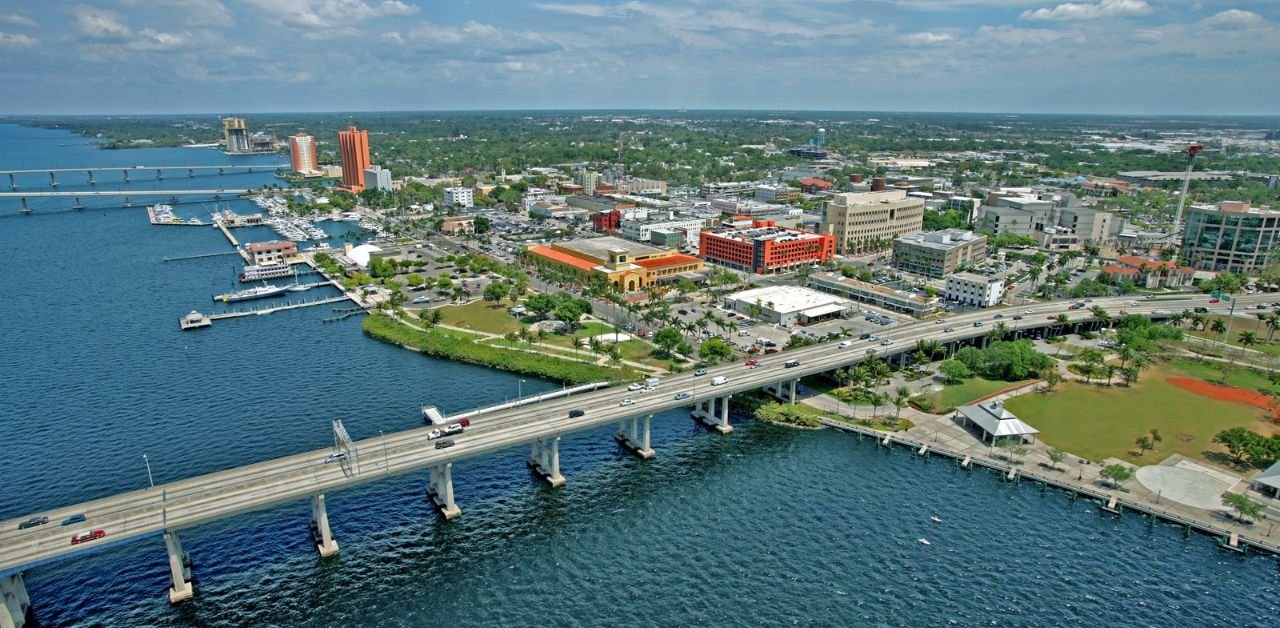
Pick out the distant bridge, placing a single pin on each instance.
(128, 171)
(127, 194)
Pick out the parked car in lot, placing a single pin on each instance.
(683, 395)
(33, 522)
(418, 300)
(444, 444)
(770, 350)
(89, 535)
(73, 519)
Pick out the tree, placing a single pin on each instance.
(1237, 441)
(667, 338)
(954, 371)
(1218, 327)
(1051, 380)
(715, 351)
(1156, 438)
(414, 280)
(1055, 456)
(1144, 443)
(1117, 474)
(901, 397)
(1246, 509)
(431, 318)
(615, 355)
(495, 291)
(1247, 339)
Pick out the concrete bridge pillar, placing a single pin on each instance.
(53, 180)
(545, 460)
(91, 181)
(637, 442)
(320, 527)
(15, 604)
(13, 183)
(179, 568)
(25, 209)
(724, 427)
(441, 490)
(78, 204)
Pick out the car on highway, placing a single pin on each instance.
(335, 457)
(791, 363)
(700, 372)
(750, 363)
(998, 316)
(33, 522)
(683, 395)
(636, 386)
(88, 535)
(977, 323)
(938, 322)
(444, 444)
(576, 412)
(1027, 312)
(455, 428)
(948, 330)
(626, 402)
(434, 434)
(73, 519)
(864, 336)
(1017, 317)
(1215, 300)
(1201, 310)
(886, 342)
(845, 345)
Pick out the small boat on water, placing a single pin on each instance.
(299, 288)
(257, 292)
(925, 542)
(935, 519)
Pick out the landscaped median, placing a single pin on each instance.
(460, 346)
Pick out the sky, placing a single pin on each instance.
(245, 56)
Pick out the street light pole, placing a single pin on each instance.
(148, 463)
(520, 390)
(386, 465)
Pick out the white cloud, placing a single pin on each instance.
(98, 23)
(20, 20)
(16, 40)
(190, 13)
(1148, 35)
(1089, 11)
(585, 10)
(925, 38)
(1012, 36)
(1235, 20)
(148, 40)
(330, 14)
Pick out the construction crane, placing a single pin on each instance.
(1192, 151)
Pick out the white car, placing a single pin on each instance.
(626, 402)
(635, 387)
(1027, 312)
(433, 434)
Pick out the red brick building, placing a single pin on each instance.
(606, 220)
(765, 248)
(813, 186)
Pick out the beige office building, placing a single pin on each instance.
(869, 221)
(938, 253)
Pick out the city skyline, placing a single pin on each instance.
(1100, 57)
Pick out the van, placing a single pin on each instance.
(652, 382)
(719, 379)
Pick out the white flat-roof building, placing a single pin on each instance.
(459, 197)
(916, 305)
(789, 305)
(973, 289)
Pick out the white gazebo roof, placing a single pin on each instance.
(1270, 477)
(998, 422)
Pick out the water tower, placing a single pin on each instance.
(822, 137)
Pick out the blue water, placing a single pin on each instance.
(766, 526)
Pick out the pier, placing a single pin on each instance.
(1107, 502)
(128, 172)
(127, 195)
(275, 308)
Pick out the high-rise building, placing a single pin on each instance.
(303, 149)
(938, 253)
(869, 221)
(354, 148)
(765, 248)
(236, 133)
(1233, 236)
(459, 197)
(377, 178)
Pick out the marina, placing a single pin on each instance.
(195, 319)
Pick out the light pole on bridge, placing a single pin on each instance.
(520, 390)
(148, 463)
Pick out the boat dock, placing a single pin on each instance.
(195, 319)
(1108, 502)
(174, 259)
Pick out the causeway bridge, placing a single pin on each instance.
(165, 510)
(128, 173)
(128, 195)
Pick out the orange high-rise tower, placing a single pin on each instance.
(354, 146)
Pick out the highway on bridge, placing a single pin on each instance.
(193, 501)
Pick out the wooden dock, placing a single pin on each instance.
(1108, 502)
(275, 308)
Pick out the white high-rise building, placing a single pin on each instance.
(459, 197)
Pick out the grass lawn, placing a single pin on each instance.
(1240, 377)
(965, 393)
(638, 351)
(1098, 422)
(1241, 323)
(587, 330)
(482, 316)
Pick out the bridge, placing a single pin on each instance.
(129, 171)
(127, 194)
(165, 510)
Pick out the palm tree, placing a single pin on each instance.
(1198, 320)
(1218, 327)
(1273, 325)
(901, 397)
(1101, 314)
(1062, 320)
(1247, 339)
